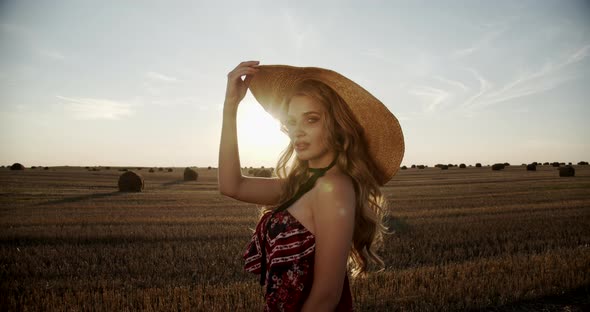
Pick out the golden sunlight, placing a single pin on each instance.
(259, 136)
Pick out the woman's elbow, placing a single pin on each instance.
(324, 301)
(227, 191)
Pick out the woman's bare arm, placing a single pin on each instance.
(333, 214)
(264, 191)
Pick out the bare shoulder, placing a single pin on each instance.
(335, 190)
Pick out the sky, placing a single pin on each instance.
(142, 83)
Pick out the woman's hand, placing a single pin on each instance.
(236, 87)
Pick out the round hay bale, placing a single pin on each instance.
(404, 167)
(265, 173)
(496, 167)
(413, 166)
(478, 165)
(190, 174)
(567, 171)
(131, 181)
(444, 167)
(17, 166)
(531, 167)
(462, 166)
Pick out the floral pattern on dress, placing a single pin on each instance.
(290, 251)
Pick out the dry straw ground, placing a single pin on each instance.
(465, 239)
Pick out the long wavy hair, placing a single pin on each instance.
(345, 136)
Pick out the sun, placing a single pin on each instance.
(260, 139)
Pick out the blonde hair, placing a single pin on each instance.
(345, 136)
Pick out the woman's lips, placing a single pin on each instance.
(301, 146)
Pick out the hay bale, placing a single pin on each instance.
(462, 166)
(404, 167)
(531, 167)
(17, 166)
(190, 174)
(567, 171)
(413, 166)
(265, 173)
(497, 167)
(478, 165)
(131, 181)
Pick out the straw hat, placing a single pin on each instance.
(382, 131)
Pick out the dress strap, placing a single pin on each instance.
(307, 185)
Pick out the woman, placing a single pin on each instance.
(326, 212)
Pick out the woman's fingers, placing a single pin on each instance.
(236, 87)
(239, 72)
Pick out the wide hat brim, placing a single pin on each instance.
(382, 131)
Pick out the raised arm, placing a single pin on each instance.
(333, 215)
(264, 191)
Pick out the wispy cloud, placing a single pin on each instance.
(30, 39)
(432, 96)
(482, 42)
(52, 54)
(89, 109)
(161, 77)
(545, 78)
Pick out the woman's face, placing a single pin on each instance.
(307, 130)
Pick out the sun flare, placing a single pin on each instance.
(259, 136)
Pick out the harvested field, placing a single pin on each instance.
(463, 239)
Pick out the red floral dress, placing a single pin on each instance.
(290, 250)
